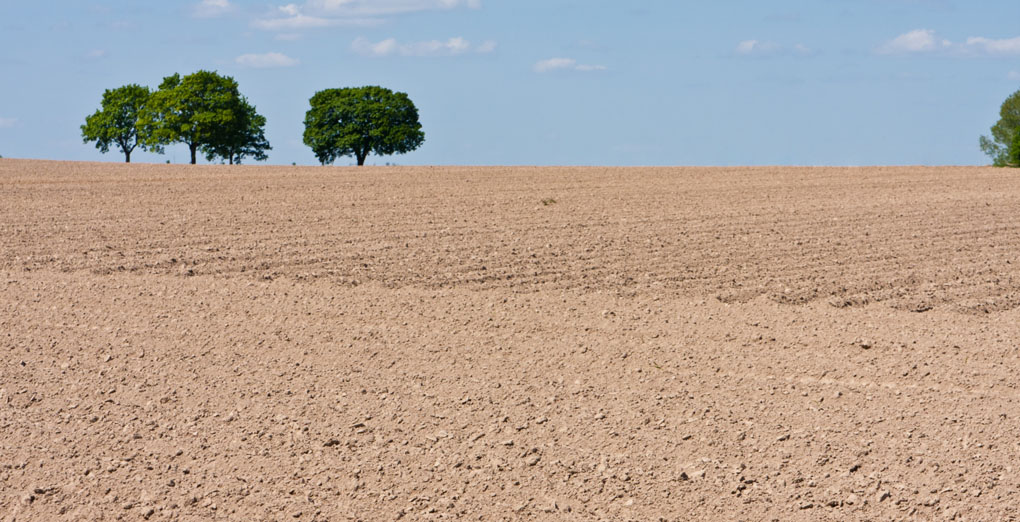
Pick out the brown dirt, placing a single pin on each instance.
(273, 343)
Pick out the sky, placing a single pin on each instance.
(543, 82)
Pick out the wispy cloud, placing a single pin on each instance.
(1013, 75)
(766, 48)
(486, 47)
(1010, 46)
(334, 13)
(298, 21)
(390, 46)
(748, 47)
(566, 64)
(927, 41)
(265, 61)
(6, 123)
(916, 41)
(211, 8)
(387, 7)
(96, 54)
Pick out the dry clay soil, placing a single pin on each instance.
(276, 343)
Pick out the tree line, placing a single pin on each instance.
(206, 112)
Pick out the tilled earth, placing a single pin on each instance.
(277, 343)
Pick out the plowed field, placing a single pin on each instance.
(287, 343)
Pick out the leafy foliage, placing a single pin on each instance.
(245, 136)
(1004, 133)
(117, 122)
(355, 121)
(1014, 151)
(204, 110)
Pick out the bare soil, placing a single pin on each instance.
(276, 343)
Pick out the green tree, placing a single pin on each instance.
(1014, 151)
(355, 121)
(1004, 132)
(200, 110)
(117, 122)
(244, 136)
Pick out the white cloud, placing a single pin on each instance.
(211, 8)
(749, 47)
(300, 21)
(96, 54)
(1013, 75)
(916, 41)
(927, 41)
(383, 48)
(6, 123)
(802, 49)
(434, 47)
(486, 47)
(991, 46)
(332, 13)
(746, 47)
(566, 64)
(390, 46)
(265, 61)
(385, 7)
(553, 64)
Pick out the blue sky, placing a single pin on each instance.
(545, 82)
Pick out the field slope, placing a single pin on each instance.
(286, 343)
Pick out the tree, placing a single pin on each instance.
(201, 110)
(1004, 132)
(355, 121)
(244, 136)
(116, 123)
(1014, 151)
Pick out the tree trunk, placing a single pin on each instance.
(194, 150)
(231, 160)
(361, 157)
(127, 156)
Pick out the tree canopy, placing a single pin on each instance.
(204, 111)
(244, 136)
(1004, 133)
(356, 121)
(117, 122)
(1013, 157)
